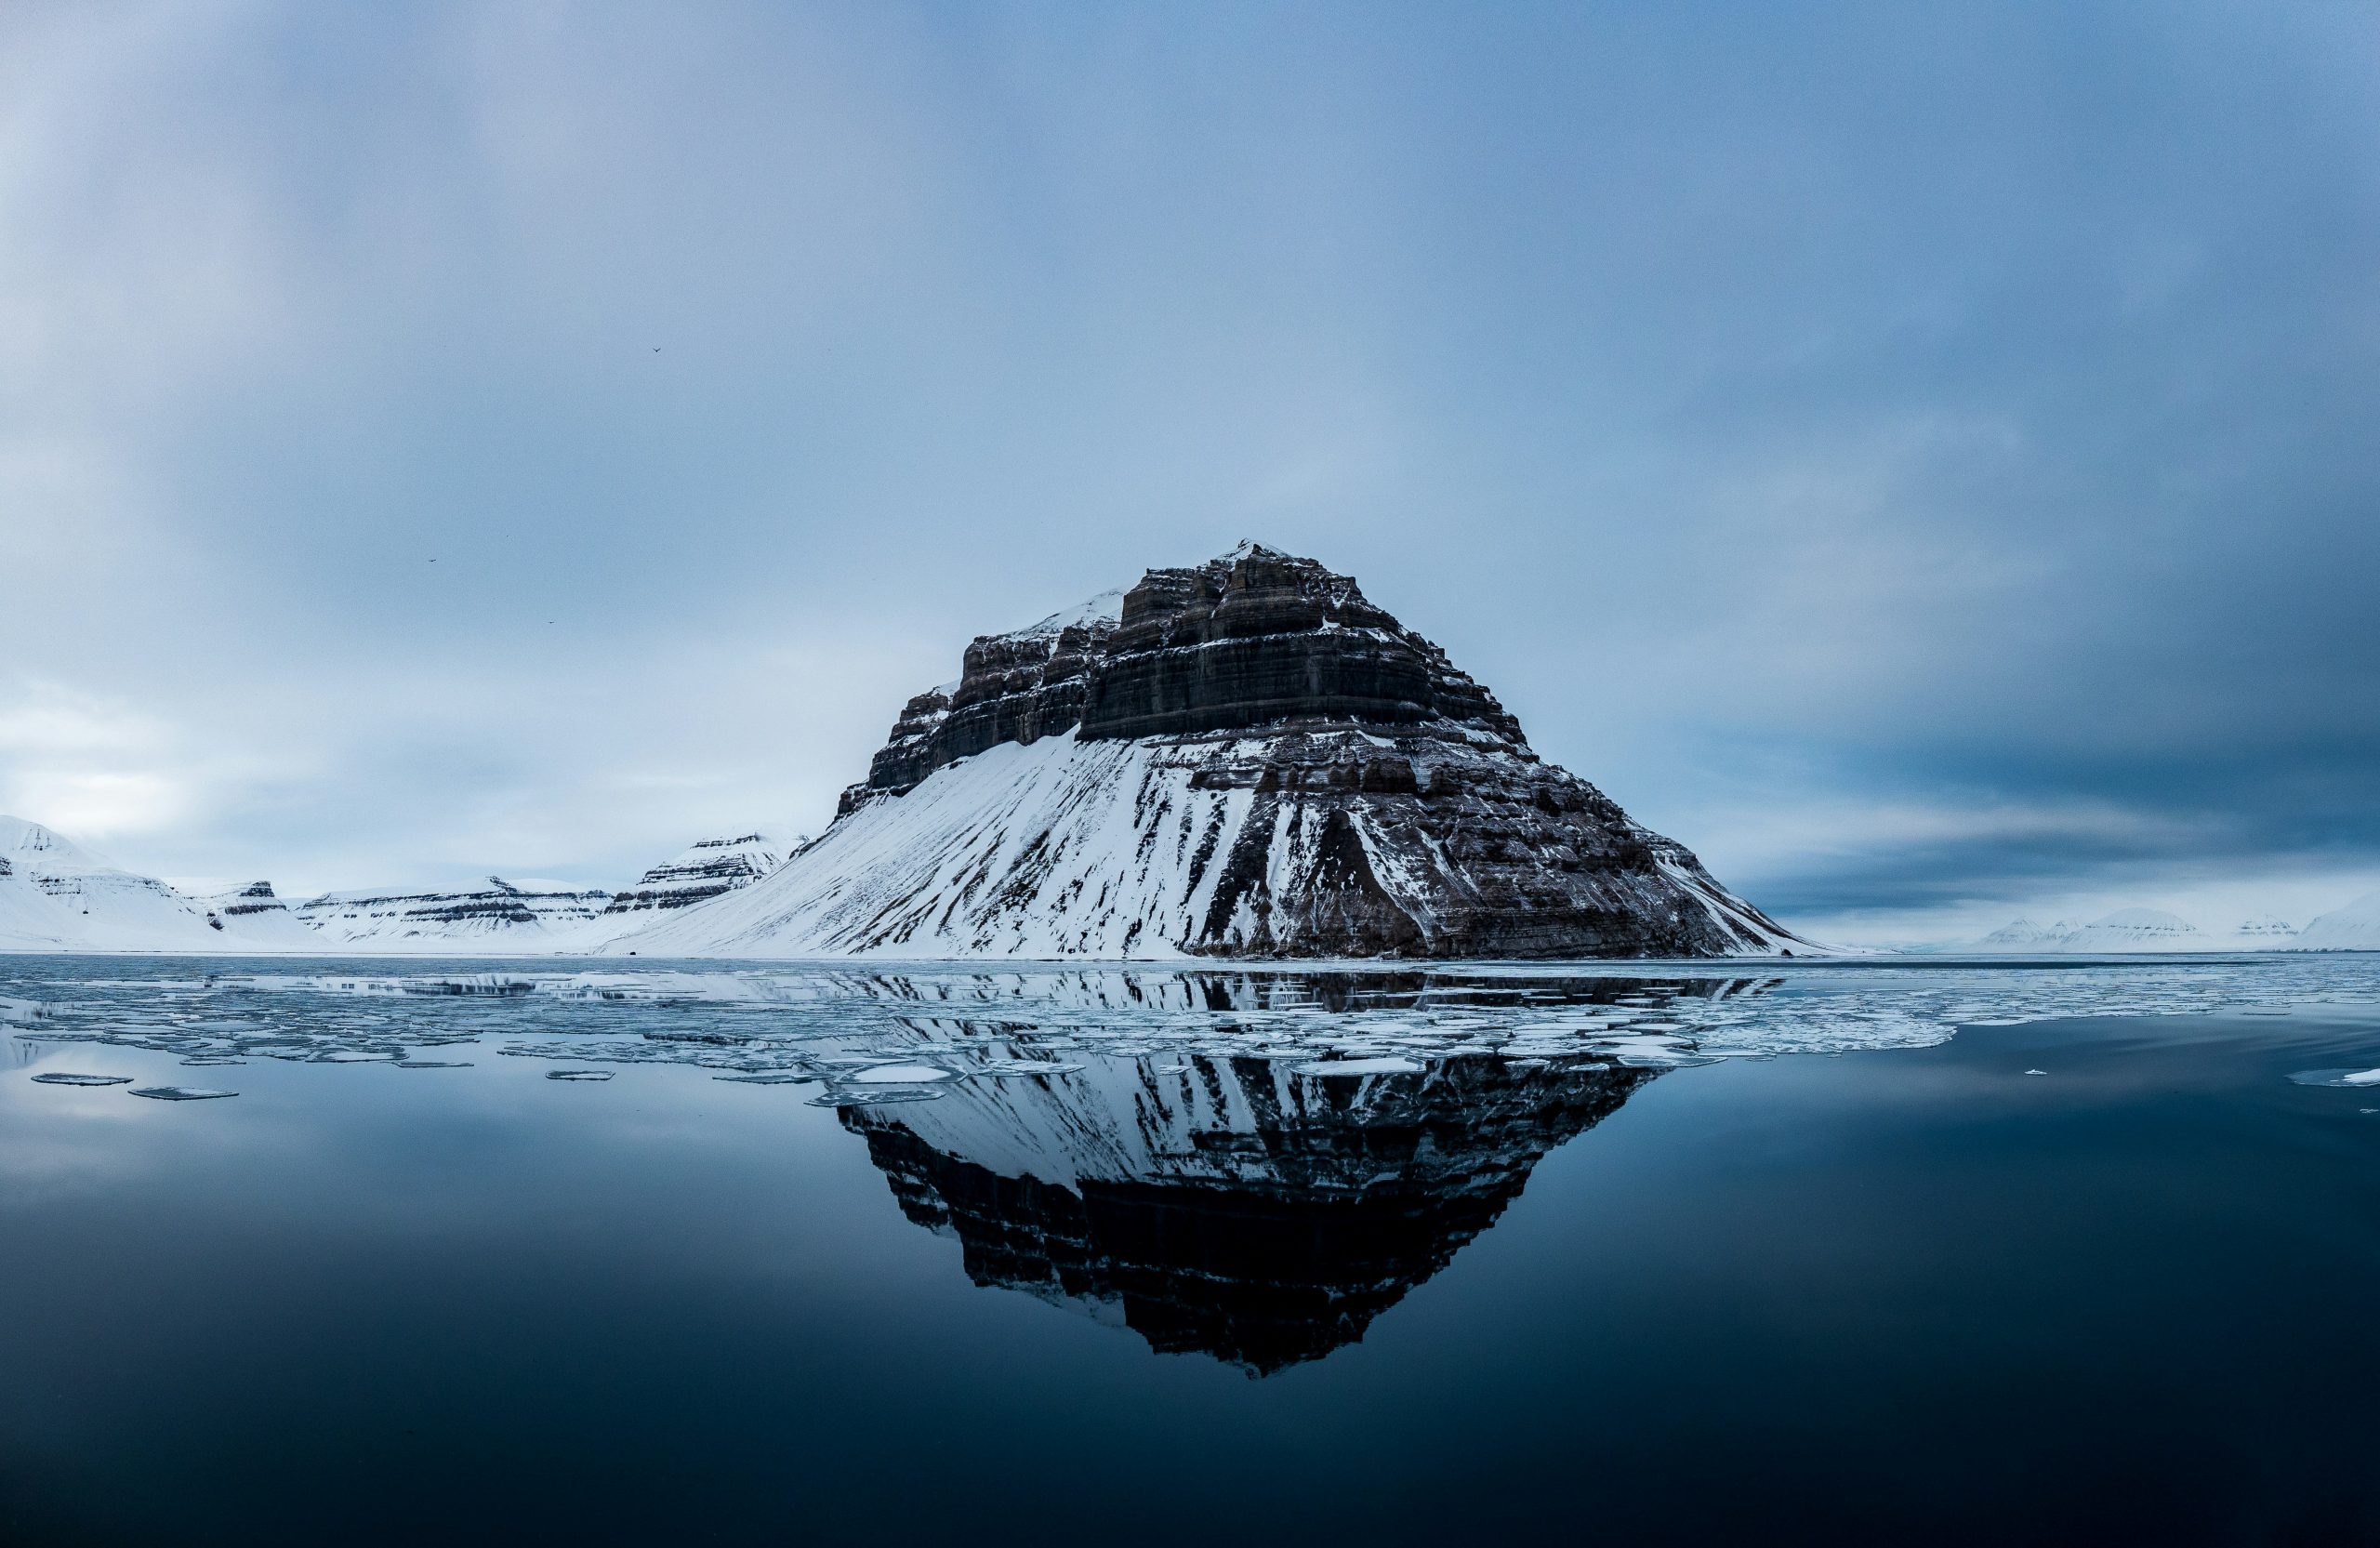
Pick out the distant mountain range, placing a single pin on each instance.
(56, 895)
(2353, 928)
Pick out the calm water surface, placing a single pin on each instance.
(1122, 1257)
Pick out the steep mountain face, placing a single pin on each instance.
(2353, 928)
(708, 869)
(499, 917)
(1233, 1208)
(1245, 758)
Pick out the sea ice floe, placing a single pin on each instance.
(1390, 1064)
(1031, 1066)
(2349, 1078)
(578, 1074)
(874, 1098)
(61, 1078)
(179, 1093)
(897, 1074)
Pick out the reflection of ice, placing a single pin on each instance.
(824, 1021)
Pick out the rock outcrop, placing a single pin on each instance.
(1246, 757)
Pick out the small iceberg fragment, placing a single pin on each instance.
(179, 1093)
(2037, 1072)
(898, 1075)
(431, 1064)
(1030, 1066)
(63, 1079)
(769, 1078)
(1386, 1065)
(2351, 1078)
(877, 1098)
(578, 1074)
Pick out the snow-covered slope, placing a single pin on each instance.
(2353, 928)
(495, 917)
(55, 896)
(706, 870)
(1242, 759)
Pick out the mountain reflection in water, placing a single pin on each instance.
(1231, 1207)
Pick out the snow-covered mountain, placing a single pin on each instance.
(56, 895)
(2025, 935)
(2353, 928)
(495, 917)
(2140, 930)
(709, 869)
(2265, 929)
(1244, 758)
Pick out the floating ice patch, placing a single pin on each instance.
(578, 1074)
(1390, 1064)
(431, 1064)
(2349, 1078)
(897, 1074)
(179, 1093)
(875, 1099)
(769, 1077)
(1030, 1066)
(61, 1078)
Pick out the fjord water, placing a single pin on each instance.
(1119, 1256)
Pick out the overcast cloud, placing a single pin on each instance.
(1920, 457)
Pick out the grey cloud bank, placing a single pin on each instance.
(1918, 457)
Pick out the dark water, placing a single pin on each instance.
(1905, 1294)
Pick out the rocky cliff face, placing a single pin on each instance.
(1244, 758)
(710, 868)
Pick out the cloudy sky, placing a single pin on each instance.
(1926, 458)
